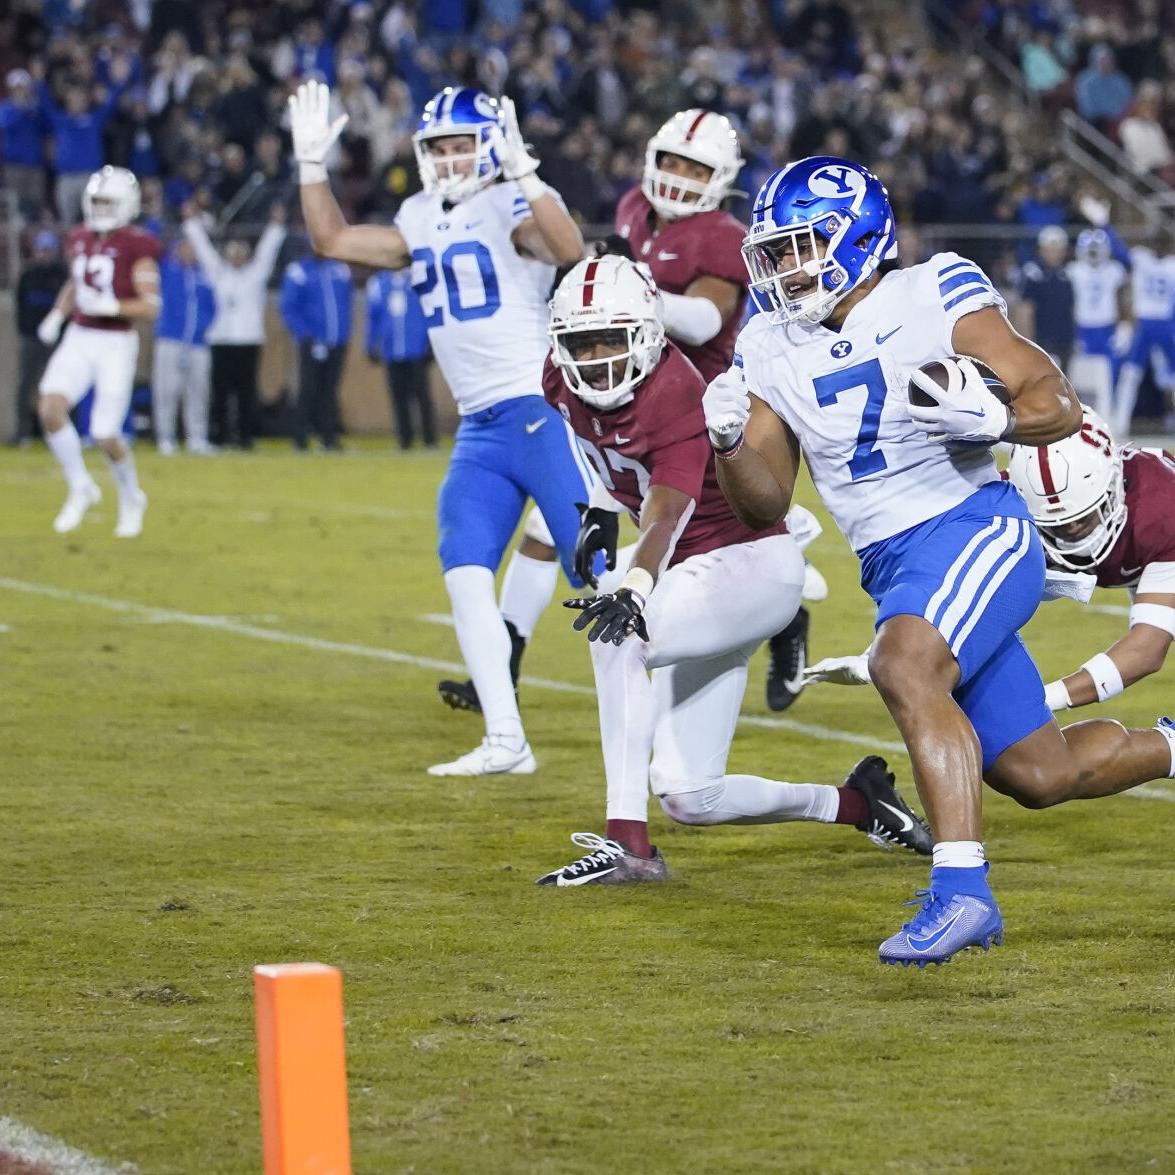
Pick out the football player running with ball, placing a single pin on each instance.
(1107, 512)
(113, 282)
(700, 595)
(483, 239)
(948, 551)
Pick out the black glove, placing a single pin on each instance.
(599, 530)
(616, 616)
(613, 244)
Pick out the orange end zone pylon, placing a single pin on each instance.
(302, 1067)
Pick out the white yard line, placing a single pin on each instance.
(277, 636)
(21, 1142)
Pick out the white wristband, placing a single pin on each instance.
(311, 173)
(638, 580)
(1107, 679)
(1056, 696)
(1156, 615)
(531, 187)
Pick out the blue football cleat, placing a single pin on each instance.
(945, 925)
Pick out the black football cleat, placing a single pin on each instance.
(789, 658)
(891, 820)
(462, 695)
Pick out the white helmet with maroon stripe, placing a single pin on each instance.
(1075, 493)
(703, 137)
(110, 199)
(605, 330)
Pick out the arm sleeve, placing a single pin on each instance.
(1118, 247)
(210, 260)
(374, 304)
(267, 250)
(290, 302)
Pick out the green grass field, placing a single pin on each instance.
(183, 798)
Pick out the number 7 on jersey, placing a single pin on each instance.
(867, 458)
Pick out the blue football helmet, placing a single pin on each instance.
(1093, 245)
(824, 218)
(450, 113)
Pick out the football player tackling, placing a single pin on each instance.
(948, 552)
(701, 593)
(483, 255)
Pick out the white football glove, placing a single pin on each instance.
(840, 670)
(966, 410)
(727, 405)
(1096, 211)
(517, 162)
(313, 132)
(96, 303)
(1068, 585)
(50, 327)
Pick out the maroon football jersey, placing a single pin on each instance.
(1149, 534)
(706, 245)
(106, 261)
(657, 438)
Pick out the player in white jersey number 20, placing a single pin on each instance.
(483, 240)
(948, 552)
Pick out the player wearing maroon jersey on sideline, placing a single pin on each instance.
(699, 595)
(1108, 511)
(114, 280)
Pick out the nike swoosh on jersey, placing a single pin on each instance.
(622, 440)
(1131, 572)
(880, 338)
(907, 823)
(666, 256)
(535, 425)
(925, 944)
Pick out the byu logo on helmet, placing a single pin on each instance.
(470, 116)
(820, 227)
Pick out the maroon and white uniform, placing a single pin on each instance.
(657, 438)
(100, 351)
(726, 590)
(1143, 558)
(708, 244)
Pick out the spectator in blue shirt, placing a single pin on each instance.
(398, 337)
(1046, 293)
(182, 362)
(316, 308)
(22, 129)
(77, 132)
(1103, 91)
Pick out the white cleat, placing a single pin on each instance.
(76, 505)
(165, 448)
(493, 756)
(130, 516)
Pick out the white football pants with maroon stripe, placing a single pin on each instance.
(671, 728)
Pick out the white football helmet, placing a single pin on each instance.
(615, 301)
(704, 137)
(1077, 480)
(119, 188)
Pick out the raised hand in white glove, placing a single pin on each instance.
(727, 405)
(94, 302)
(966, 410)
(517, 162)
(1096, 211)
(313, 132)
(840, 670)
(50, 327)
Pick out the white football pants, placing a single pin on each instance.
(706, 617)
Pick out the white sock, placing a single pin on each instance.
(1126, 394)
(125, 476)
(748, 799)
(66, 446)
(1168, 732)
(958, 854)
(527, 589)
(485, 646)
(624, 693)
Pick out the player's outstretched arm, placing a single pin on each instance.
(1045, 405)
(314, 134)
(1138, 654)
(756, 454)
(51, 324)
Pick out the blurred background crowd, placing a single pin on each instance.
(955, 105)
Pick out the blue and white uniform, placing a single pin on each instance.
(1095, 304)
(1153, 296)
(938, 534)
(486, 311)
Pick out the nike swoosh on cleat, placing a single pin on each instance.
(926, 944)
(907, 823)
(563, 880)
(535, 425)
(880, 338)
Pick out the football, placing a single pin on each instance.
(941, 374)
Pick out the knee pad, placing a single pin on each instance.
(687, 801)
